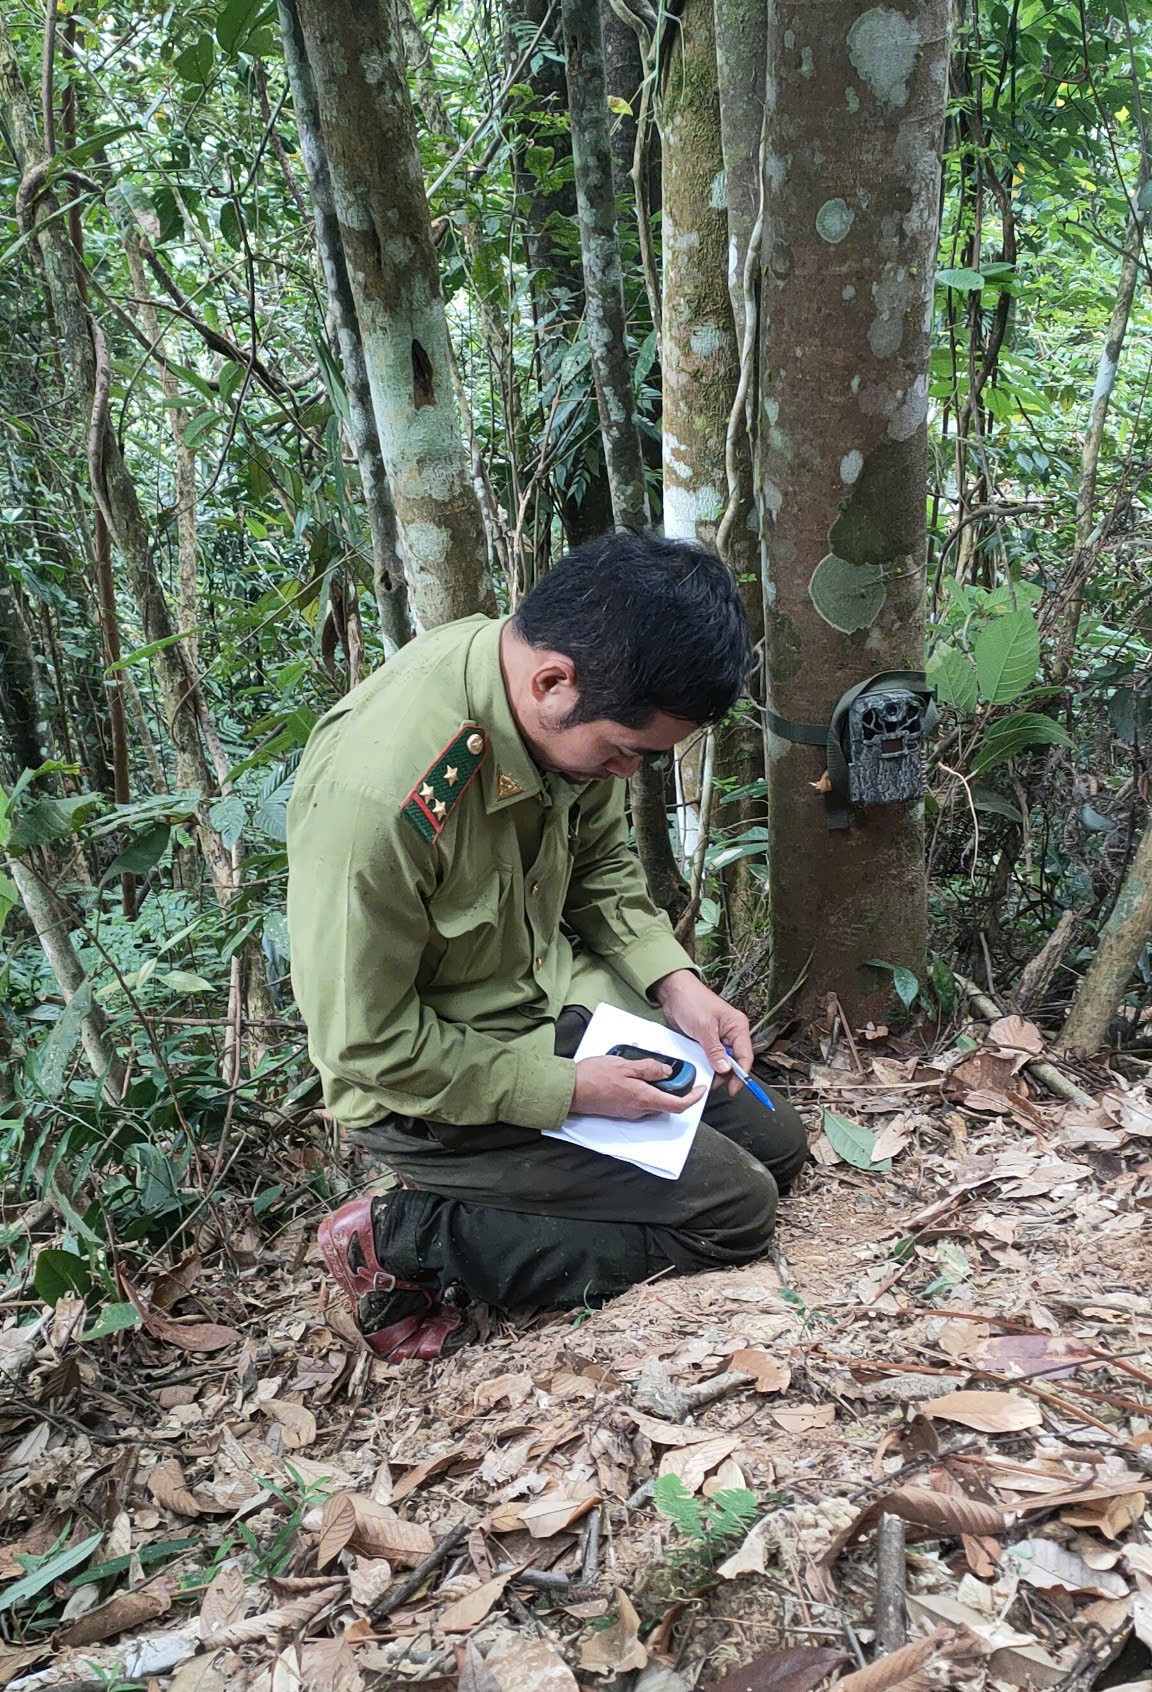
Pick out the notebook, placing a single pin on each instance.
(657, 1144)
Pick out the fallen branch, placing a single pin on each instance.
(1048, 1077)
(891, 1622)
(404, 1589)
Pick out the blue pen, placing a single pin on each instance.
(753, 1087)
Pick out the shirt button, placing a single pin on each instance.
(535, 887)
(539, 963)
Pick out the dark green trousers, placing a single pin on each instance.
(515, 1218)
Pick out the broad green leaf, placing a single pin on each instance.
(233, 22)
(58, 1272)
(113, 1319)
(184, 981)
(228, 816)
(138, 858)
(9, 898)
(853, 1143)
(230, 226)
(52, 1058)
(1007, 654)
(954, 678)
(50, 1570)
(905, 982)
(987, 799)
(1017, 733)
(960, 277)
(195, 63)
(49, 819)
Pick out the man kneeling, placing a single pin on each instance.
(462, 895)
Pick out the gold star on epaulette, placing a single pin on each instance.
(442, 786)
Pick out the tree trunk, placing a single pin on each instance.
(357, 63)
(855, 121)
(1124, 937)
(47, 918)
(388, 584)
(612, 373)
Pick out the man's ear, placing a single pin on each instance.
(553, 677)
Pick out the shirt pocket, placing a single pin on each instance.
(469, 919)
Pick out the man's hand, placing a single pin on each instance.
(704, 1016)
(622, 1087)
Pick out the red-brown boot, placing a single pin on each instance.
(398, 1319)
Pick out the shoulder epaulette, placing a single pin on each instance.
(440, 789)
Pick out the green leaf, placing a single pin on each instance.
(674, 1502)
(1023, 729)
(9, 898)
(58, 1272)
(48, 819)
(139, 857)
(230, 226)
(113, 1319)
(853, 1143)
(195, 63)
(147, 1554)
(52, 1058)
(184, 981)
(228, 816)
(987, 799)
(847, 596)
(142, 653)
(50, 1570)
(1007, 653)
(233, 23)
(960, 277)
(954, 678)
(906, 984)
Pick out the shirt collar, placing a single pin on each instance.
(509, 774)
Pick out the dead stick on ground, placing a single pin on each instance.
(591, 1563)
(414, 1581)
(891, 1626)
(1049, 1078)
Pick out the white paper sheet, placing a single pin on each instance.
(657, 1144)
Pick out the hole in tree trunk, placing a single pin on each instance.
(423, 385)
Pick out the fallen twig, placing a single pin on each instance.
(891, 1622)
(396, 1595)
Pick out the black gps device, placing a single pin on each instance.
(681, 1080)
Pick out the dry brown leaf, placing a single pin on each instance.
(1015, 1657)
(1043, 1563)
(800, 1668)
(337, 1525)
(886, 1673)
(617, 1648)
(948, 1513)
(555, 1511)
(288, 1618)
(517, 1664)
(223, 1602)
(185, 1336)
(802, 1418)
(326, 1665)
(1016, 1038)
(890, 1141)
(380, 1532)
(959, 1337)
(370, 1579)
(669, 1433)
(513, 1389)
(749, 1556)
(24, 1657)
(168, 1487)
(177, 1282)
(200, 1674)
(1111, 1517)
(987, 1412)
(297, 1420)
(41, 1536)
(727, 1478)
(768, 1373)
(412, 1478)
(468, 1612)
(691, 1463)
(124, 1611)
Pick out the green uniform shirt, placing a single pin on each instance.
(431, 867)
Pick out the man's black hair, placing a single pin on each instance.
(650, 624)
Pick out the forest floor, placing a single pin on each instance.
(961, 1337)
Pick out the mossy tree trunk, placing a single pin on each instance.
(356, 57)
(855, 114)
